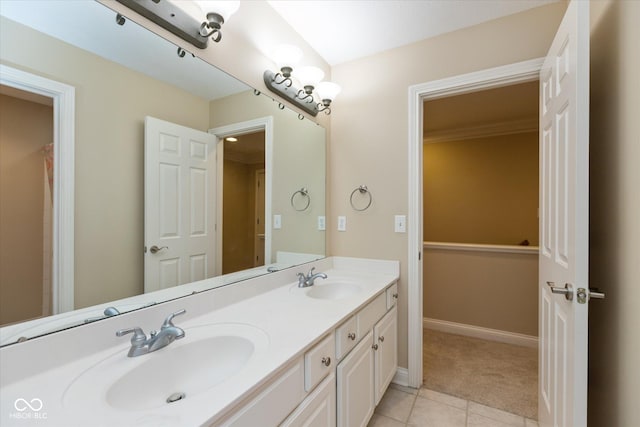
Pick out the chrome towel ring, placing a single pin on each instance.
(362, 190)
(303, 193)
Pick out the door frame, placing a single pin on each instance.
(490, 78)
(63, 177)
(240, 128)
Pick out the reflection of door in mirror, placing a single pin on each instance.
(26, 203)
(179, 204)
(243, 190)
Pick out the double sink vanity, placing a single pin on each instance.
(274, 350)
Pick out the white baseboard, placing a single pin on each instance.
(401, 377)
(480, 332)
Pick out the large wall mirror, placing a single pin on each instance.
(249, 187)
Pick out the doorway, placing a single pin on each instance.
(62, 189)
(243, 193)
(257, 135)
(492, 78)
(26, 191)
(481, 246)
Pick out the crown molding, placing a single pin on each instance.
(482, 131)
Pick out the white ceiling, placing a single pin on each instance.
(344, 30)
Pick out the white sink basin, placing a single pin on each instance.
(208, 356)
(333, 289)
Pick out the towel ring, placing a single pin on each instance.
(362, 190)
(304, 193)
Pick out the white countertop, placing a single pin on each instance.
(292, 322)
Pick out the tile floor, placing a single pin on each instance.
(407, 407)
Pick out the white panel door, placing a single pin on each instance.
(564, 223)
(179, 205)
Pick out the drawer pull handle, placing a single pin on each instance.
(352, 336)
(375, 346)
(395, 295)
(326, 361)
(381, 338)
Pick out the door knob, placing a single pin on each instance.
(567, 291)
(154, 249)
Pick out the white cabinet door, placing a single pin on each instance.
(356, 385)
(385, 337)
(318, 409)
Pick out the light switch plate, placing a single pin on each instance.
(400, 224)
(277, 222)
(342, 223)
(322, 223)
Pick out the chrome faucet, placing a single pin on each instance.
(305, 281)
(140, 344)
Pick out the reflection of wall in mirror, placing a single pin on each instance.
(111, 103)
(26, 127)
(298, 161)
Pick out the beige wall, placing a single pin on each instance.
(369, 126)
(486, 289)
(482, 190)
(614, 334)
(299, 154)
(25, 127)
(111, 103)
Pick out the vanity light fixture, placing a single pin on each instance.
(281, 83)
(173, 18)
(217, 13)
(286, 57)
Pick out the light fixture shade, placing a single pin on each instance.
(308, 76)
(224, 8)
(286, 55)
(328, 90)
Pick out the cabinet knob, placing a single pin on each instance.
(381, 338)
(395, 295)
(326, 361)
(352, 336)
(375, 346)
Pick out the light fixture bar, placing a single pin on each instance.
(171, 18)
(288, 92)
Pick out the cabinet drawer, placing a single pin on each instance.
(392, 295)
(346, 337)
(319, 361)
(368, 316)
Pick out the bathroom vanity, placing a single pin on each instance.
(262, 353)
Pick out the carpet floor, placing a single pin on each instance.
(499, 375)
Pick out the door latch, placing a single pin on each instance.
(593, 294)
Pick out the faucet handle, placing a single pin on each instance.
(311, 272)
(168, 322)
(138, 335)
